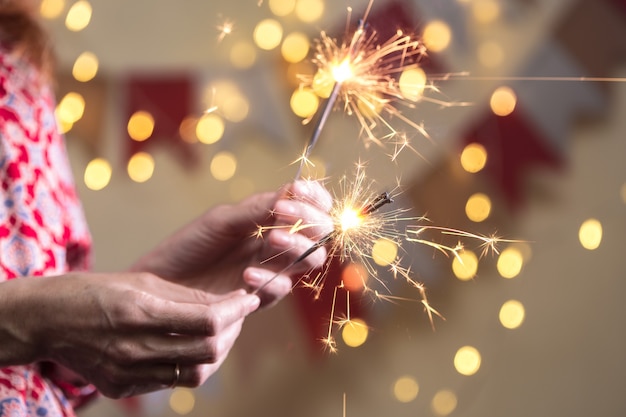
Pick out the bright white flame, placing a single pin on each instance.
(350, 219)
(343, 71)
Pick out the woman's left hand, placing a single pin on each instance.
(219, 253)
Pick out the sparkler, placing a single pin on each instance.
(363, 73)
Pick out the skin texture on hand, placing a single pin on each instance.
(124, 333)
(218, 252)
(184, 303)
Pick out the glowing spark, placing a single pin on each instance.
(364, 73)
(225, 28)
(359, 224)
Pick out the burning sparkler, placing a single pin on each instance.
(366, 74)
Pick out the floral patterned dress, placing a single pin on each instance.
(42, 226)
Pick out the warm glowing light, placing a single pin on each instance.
(354, 276)
(315, 169)
(309, 10)
(485, 11)
(71, 108)
(465, 265)
(140, 167)
(444, 402)
(223, 166)
(182, 401)
(510, 262)
(437, 36)
(64, 126)
(282, 8)
(97, 174)
(355, 332)
(512, 314)
(267, 34)
(187, 129)
(478, 207)
(295, 47)
(79, 16)
(384, 252)
(590, 234)
(236, 108)
(405, 389)
(342, 71)
(412, 83)
(85, 67)
(467, 360)
(323, 83)
(490, 54)
(140, 125)
(474, 158)
(51, 9)
(623, 193)
(242, 55)
(350, 219)
(503, 101)
(210, 128)
(370, 105)
(304, 103)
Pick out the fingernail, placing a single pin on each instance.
(252, 302)
(284, 207)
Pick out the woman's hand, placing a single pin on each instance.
(124, 333)
(218, 252)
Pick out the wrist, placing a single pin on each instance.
(19, 337)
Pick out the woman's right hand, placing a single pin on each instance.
(125, 333)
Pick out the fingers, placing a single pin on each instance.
(196, 319)
(273, 287)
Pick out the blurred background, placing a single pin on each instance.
(171, 107)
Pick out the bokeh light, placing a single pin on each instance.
(467, 360)
(304, 102)
(412, 83)
(354, 276)
(490, 54)
(268, 34)
(590, 234)
(623, 193)
(503, 101)
(370, 105)
(51, 9)
(444, 402)
(295, 47)
(478, 207)
(79, 16)
(485, 11)
(182, 401)
(405, 389)
(323, 83)
(140, 167)
(282, 8)
(474, 158)
(71, 108)
(384, 252)
(465, 265)
(97, 174)
(437, 36)
(187, 129)
(223, 166)
(210, 128)
(510, 262)
(242, 55)
(354, 333)
(512, 314)
(309, 10)
(140, 125)
(85, 67)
